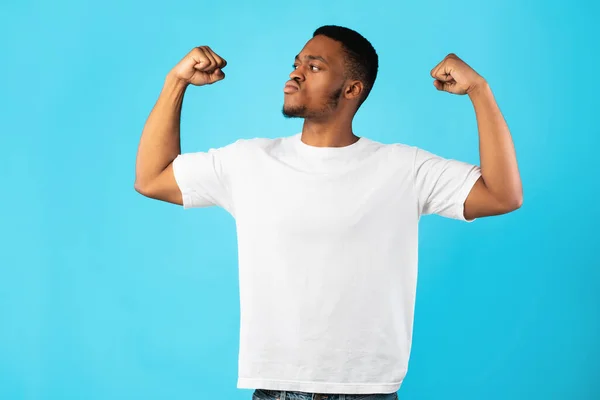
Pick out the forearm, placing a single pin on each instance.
(496, 148)
(160, 141)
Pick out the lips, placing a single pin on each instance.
(290, 88)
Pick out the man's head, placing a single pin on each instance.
(334, 73)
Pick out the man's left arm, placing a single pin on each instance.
(499, 189)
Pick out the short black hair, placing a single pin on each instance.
(362, 61)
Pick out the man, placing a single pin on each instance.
(327, 220)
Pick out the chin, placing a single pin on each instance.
(293, 111)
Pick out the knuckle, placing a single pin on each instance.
(197, 52)
(210, 51)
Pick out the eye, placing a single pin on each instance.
(314, 68)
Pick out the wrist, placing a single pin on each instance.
(479, 87)
(174, 82)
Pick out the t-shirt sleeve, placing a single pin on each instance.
(205, 178)
(442, 184)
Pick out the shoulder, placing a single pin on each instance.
(241, 147)
(400, 154)
(258, 143)
(266, 146)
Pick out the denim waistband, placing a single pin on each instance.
(292, 395)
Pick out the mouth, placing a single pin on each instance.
(290, 88)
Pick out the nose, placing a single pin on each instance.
(297, 74)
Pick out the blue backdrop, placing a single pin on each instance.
(105, 294)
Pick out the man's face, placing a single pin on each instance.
(317, 80)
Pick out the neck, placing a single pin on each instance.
(328, 133)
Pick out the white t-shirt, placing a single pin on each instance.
(327, 253)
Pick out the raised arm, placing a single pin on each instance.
(499, 190)
(160, 141)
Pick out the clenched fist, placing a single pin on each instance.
(201, 66)
(453, 75)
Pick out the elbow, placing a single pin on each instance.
(515, 203)
(140, 188)
(519, 203)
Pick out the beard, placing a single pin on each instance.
(302, 111)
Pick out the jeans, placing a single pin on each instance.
(264, 394)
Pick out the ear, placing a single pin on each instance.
(353, 90)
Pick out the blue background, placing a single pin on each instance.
(106, 294)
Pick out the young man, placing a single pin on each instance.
(327, 220)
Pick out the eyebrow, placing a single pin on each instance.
(319, 58)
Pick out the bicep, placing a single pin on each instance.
(164, 187)
(481, 203)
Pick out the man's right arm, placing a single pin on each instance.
(160, 145)
(160, 141)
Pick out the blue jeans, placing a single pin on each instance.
(264, 394)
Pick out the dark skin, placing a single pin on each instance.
(327, 99)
